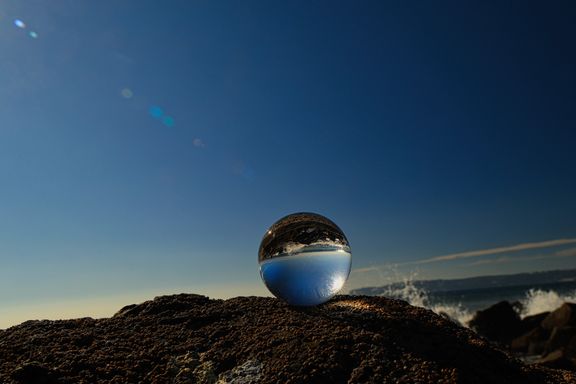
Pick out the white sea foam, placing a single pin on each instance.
(538, 301)
(418, 297)
(533, 301)
(292, 247)
(454, 311)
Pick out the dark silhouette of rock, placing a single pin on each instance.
(531, 342)
(530, 322)
(563, 316)
(557, 359)
(559, 338)
(192, 339)
(536, 347)
(500, 323)
(33, 373)
(554, 338)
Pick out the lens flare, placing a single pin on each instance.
(127, 93)
(198, 143)
(168, 121)
(156, 112)
(33, 35)
(19, 23)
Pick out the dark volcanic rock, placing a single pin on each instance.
(500, 322)
(192, 339)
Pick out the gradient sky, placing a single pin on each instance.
(146, 146)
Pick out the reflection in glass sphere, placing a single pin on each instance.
(304, 259)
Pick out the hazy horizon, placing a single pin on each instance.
(145, 147)
(102, 307)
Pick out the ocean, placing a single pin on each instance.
(461, 305)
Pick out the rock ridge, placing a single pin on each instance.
(190, 338)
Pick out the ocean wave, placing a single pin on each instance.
(461, 305)
(539, 300)
(419, 297)
(535, 301)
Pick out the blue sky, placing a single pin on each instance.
(146, 146)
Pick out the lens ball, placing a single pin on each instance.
(305, 259)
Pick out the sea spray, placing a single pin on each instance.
(533, 300)
(539, 300)
(419, 297)
(461, 301)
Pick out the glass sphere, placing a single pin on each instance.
(304, 259)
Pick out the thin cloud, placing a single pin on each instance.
(488, 252)
(506, 259)
(495, 251)
(499, 260)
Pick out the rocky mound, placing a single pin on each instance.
(192, 339)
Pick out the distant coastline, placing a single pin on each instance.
(477, 282)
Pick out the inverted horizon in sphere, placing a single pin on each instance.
(305, 259)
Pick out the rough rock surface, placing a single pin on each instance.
(192, 339)
(563, 316)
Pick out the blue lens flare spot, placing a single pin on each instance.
(168, 121)
(19, 23)
(156, 112)
(33, 35)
